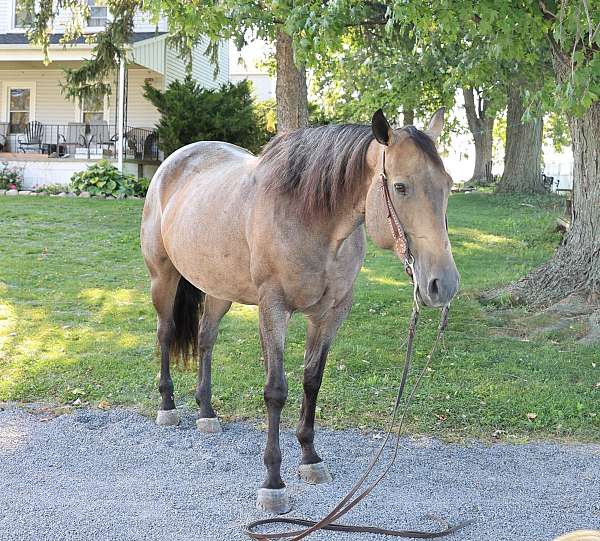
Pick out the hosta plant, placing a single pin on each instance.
(103, 178)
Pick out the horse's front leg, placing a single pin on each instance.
(321, 332)
(274, 319)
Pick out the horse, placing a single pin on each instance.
(285, 230)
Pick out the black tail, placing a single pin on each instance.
(186, 315)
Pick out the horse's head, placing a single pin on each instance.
(418, 190)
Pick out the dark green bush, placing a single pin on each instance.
(140, 186)
(190, 113)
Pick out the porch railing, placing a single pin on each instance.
(85, 141)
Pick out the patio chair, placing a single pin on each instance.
(33, 137)
(78, 136)
(102, 137)
(131, 139)
(3, 134)
(151, 146)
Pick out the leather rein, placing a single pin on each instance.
(396, 423)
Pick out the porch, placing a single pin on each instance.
(50, 154)
(50, 137)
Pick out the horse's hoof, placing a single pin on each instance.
(167, 418)
(210, 425)
(314, 474)
(273, 500)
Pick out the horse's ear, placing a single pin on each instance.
(436, 124)
(381, 128)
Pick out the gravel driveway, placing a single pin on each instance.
(115, 475)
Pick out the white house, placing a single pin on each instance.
(50, 136)
(248, 64)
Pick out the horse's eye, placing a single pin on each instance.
(400, 188)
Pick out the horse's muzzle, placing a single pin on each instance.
(439, 288)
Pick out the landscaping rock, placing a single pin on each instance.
(101, 196)
(109, 197)
(2, 192)
(24, 192)
(71, 194)
(12, 192)
(62, 194)
(85, 194)
(42, 193)
(33, 193)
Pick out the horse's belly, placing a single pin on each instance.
(234, 285)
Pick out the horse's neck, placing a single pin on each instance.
(351, 215)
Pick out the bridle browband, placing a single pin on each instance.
(328, 522)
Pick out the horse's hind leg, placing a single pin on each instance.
(214, 310)
(321, 332)
(164, 282)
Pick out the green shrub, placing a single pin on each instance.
(140, 186)
(52, 189)
(190, 113)
(103, 178)
(11, 178)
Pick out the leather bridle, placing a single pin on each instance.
(401, 248)
(351, 499)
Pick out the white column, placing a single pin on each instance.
(121, 106)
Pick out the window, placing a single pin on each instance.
(98, 13)
(93, 110)
(19, 109)
(23, 14)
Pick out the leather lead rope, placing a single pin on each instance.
(347, 503)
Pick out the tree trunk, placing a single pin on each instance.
(408, 117)
(523, 156)
(575, 267)
(290, 88)
(481, 127)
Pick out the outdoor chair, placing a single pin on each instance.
(3, 134)
(103, 137)
(131, 140)
(151, 147)
(33, 137)
(78, 136)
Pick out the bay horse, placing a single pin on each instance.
(285, 231)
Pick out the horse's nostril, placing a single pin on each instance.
(433, 288)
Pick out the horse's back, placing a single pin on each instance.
(192, 164)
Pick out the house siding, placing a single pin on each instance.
(5, 15)
(140, 112)
(50, 106)
(202, 67)
(150, 54)
(142, 22)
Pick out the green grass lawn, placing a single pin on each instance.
(76, 322)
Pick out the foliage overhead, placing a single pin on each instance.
(521, 33)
